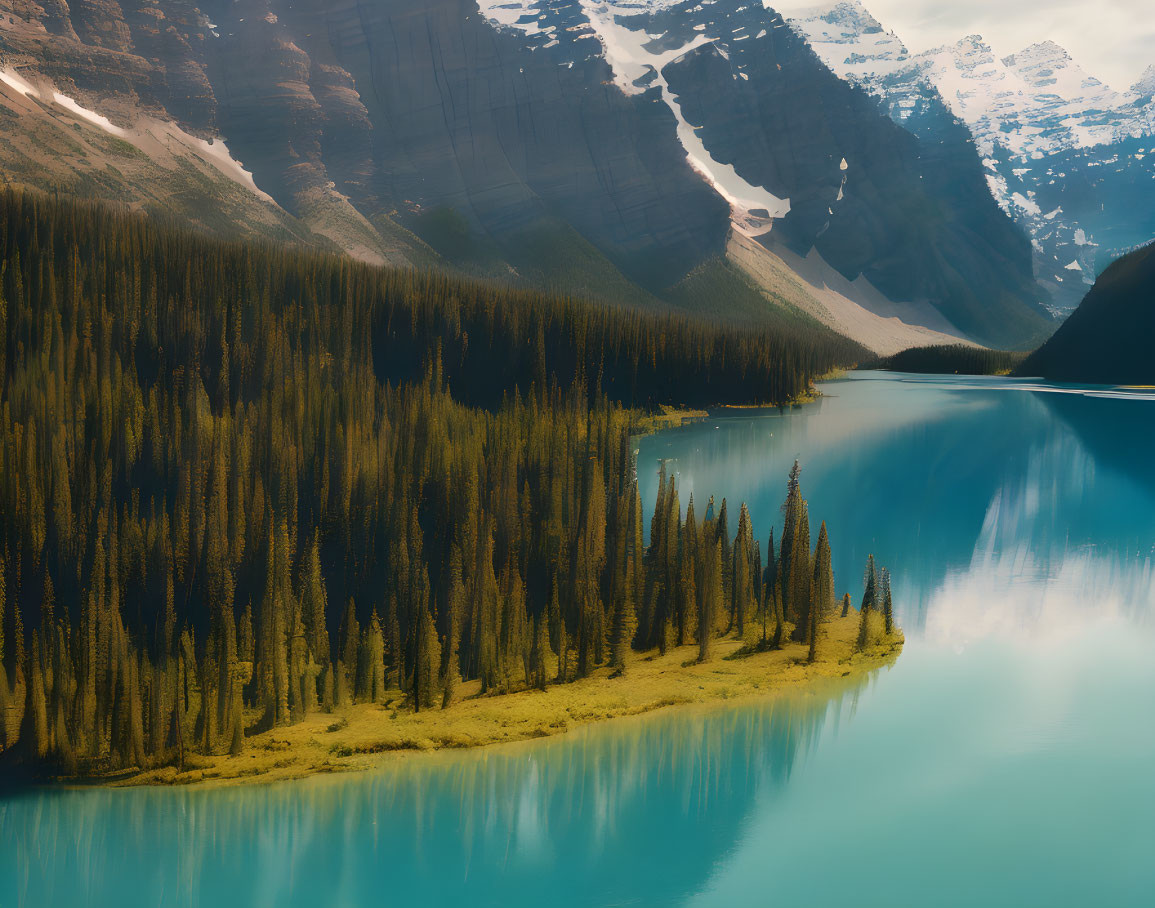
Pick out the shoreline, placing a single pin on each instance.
(365, 735)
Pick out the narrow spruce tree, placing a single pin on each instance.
(314, 609)
(350, 656)
(869, 607)
(742, 580)
(822, 593)
(887, 603)
(5, 695)
(454, 614)
(538, 654)
(722, 528)
(792, 509)
(559, 639)
(802, 576)
(711, 599)
(426, 659)
(625, 618)
(769, 590)
(688, 581)
(374, 683)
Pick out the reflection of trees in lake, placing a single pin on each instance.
(1119, 433)
(632, 810)
(962, 490)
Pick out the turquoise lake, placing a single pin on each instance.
(1006, 759)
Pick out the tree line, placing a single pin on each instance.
(959, 359)
(240, 484)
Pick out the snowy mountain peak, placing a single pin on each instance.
(847, 13)
(1049, 69)
(1145, 86)
(1041, 52)
(1040, 121)
(638, 42)
(851, 41)
(1037, 101)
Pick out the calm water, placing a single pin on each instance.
(1007, 759)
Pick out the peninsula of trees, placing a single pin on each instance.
(956, 359)
(242, 485)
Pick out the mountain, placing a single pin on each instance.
(1107, 340)
(1069, 158)
(617, 150)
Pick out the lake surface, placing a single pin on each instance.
(1008, 758)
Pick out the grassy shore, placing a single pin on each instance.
(359, 737)
(666, 417)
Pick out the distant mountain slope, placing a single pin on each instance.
(1069, 158)
(1110, 338)
(602, 148)
(804, 163)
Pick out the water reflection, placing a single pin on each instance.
(653, 804)
(979, 494)
(1005, 759)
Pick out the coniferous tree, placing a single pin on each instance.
(314, 615)
(350, 656)
(711, 599)
(4, 691)
(35, 730)
(373, 682)
(427, 656)
(559, 640)
(802, 575)
(822, 593)
(298, 438)
(687, 583)
(538, 671)
(454, 611)
(722, 528)
(792, 508)
(625, 620)
(771, 597)
(742, 583)
(887, 603)
(488, 667)
(868, 610)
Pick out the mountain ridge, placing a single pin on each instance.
(425, 134)
(1107, 340)
(1054, 140)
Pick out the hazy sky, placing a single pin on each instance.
(1113, 40)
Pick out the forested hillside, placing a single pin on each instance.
(548, 144)
(1107, 340)
(950, 358)
(241, 483)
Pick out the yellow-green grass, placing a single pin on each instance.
(361, 736)
(666, 417)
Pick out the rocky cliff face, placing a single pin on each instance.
(509, 136)
(1064, 155)
(871, 197)
(586, 144)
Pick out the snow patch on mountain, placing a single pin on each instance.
(516, 14)
(638, 58)
(1040, 122)
(144, 134)
(629, 53)
(1035, 102)
(90, 115)
(851, 41)
(14, 81)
